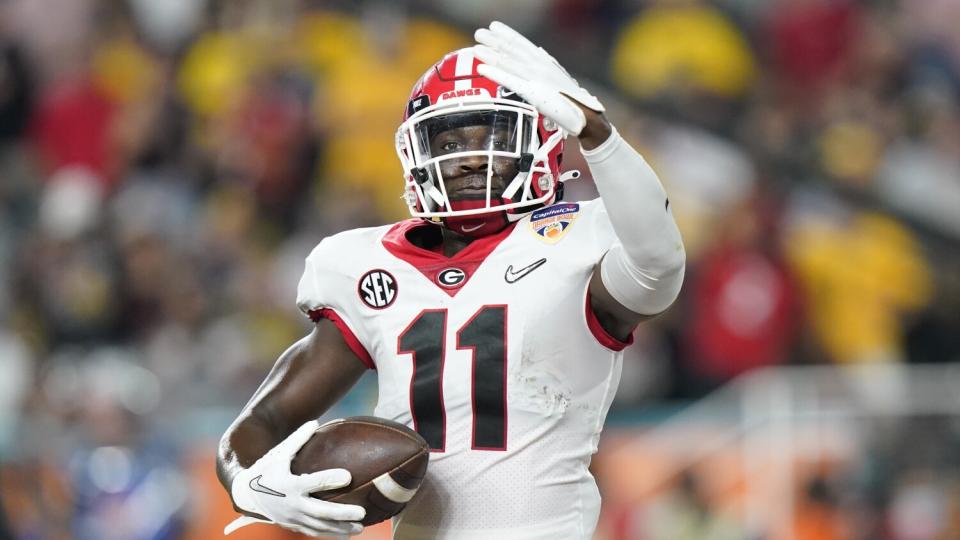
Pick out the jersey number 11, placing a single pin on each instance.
(486, 335)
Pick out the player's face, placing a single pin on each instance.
(466, 177)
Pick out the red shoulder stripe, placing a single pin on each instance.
(348, 335)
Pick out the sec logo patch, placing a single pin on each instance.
(551, 224)
(378, 289)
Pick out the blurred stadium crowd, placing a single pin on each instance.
(165, 167)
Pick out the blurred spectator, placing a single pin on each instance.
(71, 127)
(67, 273)
(525, 15)
(214, 72)
(818, 515)
(682, 46)
(5, 533)
(810, 42)
(17, 370)
(862, 272)
(16, 92)
(932, 336)
(919, 509)
(683, 54)
(929, 27)
(703, 190)
(125, 483)
(685, 513)
(361, 118)
(71, 204)
(269, 146)
(121, 68)
(56, 36)
(920, 171)
(168, 24)
(742, 303)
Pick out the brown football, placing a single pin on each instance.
(387, 462)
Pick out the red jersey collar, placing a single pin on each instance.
(437, 267)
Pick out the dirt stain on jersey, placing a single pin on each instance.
(541, 391)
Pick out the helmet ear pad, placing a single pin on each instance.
(545, 181)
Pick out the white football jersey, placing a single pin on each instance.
(493, 356)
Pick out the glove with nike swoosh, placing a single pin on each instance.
(268, 488)
(513, 61)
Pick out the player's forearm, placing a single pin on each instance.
(247, 440)
(307, 379)
(597, 129)
(652, 253)
(241, 446)
(256, 430)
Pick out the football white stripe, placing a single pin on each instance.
(464, 68)
(392, 490)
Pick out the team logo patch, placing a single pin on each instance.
(378, 289)
(417, 103)
(451, 278)
(552, 223)
(513, 276)
(505, 93)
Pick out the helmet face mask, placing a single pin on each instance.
(474, 153)
(463, 152)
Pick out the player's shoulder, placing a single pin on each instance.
(347, 244)
(592, 206)
(593, 211)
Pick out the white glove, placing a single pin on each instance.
(269, 489)
(513, 61)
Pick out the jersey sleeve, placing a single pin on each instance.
(320, 296)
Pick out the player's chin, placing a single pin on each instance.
(474, 194)
(470, 195)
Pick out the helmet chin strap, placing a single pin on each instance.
(515, 185)
(434, 194)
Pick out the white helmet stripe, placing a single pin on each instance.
(464, 67)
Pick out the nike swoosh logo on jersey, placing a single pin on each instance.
(257, 486)
(512, 277)
(471, 229)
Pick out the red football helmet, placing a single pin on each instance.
(475, 155)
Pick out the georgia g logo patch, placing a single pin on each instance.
(451, 278)
(378, 289)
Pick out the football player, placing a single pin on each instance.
(495, 318)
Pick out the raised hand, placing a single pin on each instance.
(511, 60)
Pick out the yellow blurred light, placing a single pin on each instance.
(123, 70)
(215, 71)
(850, 151)
(691, 45)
